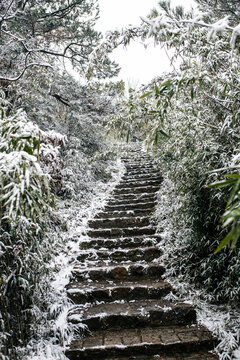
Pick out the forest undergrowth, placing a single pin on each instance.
(189, 118)
(54, 159)
(57, 167)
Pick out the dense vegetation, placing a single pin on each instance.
(190, 117)
(52, 155)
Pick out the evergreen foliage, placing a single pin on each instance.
(52, 157)
(192, 117)
(37, 33)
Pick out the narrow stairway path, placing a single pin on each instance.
(117, 284)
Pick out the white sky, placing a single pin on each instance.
(138, 65)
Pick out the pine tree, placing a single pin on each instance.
(40, 33)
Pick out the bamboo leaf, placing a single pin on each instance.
(221, 183)
(225, 241)
(146, 94)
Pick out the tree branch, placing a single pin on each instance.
(61, 99)
(55, 13)
(2, 78)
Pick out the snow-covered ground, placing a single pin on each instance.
(53, 332)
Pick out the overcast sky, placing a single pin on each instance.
(139, 65)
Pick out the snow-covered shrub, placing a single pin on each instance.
(192, 214)
(193, 121)
(50, 158)
(24, 186)
(73, 152)
(25, 199)
(34, 164)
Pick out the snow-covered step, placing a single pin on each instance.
(159, 343)
(147, 175)
(139, 162)
(119, 271)
(139, 165)
(124, 242)
(139, 183)
(121, 214)
(151, 195)
(122, 199)
(136, 314)
(142, 171)
(111, 291)
(117, 284)
(137, 190)
(136, 158)
(135, 254)
(132, 198)
(136, 205)
(118, 232)
(180, 356)
(118, 222)
(135, 155)
(141, 178)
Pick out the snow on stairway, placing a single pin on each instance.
(190, 343)
(137, 314)
(118, 271)
(110, 291)
(122, 243)
(117, 285)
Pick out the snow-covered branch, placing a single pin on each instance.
(219, 26)
(3, 78)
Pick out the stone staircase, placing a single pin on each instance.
(117, 288)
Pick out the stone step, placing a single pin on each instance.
(84, 292)
(116, 284)
(137, 190)
(180, 356)
(118, 271)
(134, 177)
(124, 222)
(139, 165)
(135, 155)
(139, 183)
(121, 214)
(144, 179)
(129, 154)
(118, 232)
(132, 200)
(138, 241)
(136, 159)
(139, 205)
(135, 254)
(159, 343)
(136, 314)
(142, 171)
(136, 152)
